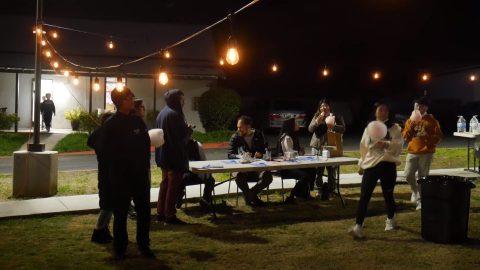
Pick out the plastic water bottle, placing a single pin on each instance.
(473, 124)
(461, 124)
(268, 155)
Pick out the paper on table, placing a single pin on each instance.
(209, 166)
(231, 161)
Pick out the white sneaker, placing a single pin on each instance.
(419, 205)
(390, 224)
(415, 197)
(356, 231)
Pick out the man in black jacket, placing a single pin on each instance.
(47, 109)
(253, 142)
(126, 152)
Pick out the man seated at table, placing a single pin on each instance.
(251, 141)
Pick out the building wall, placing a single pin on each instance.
(67, 96)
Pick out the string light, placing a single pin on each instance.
(274, 68)
(163, 78)
(66, 73)
(55, 64)
(44, 43)
(473, 77)
(376, 75)
(96, 84)
(75, 80)
(110, 45)
(167, 54)
(119, 85)
(425, 77)
(54, 34)
(325, 72)
(232, 55)
(221, 62)
(48, 54)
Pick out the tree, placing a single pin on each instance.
(218, 108)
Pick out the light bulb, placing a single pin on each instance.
(232, 56)
(66, 73)
(54, 34)
(44, 43)
(376, 75)
(274, 68)
(425, 77)
(119, 84)
(473, 78)
(167, 54)
(75, 80)
(48, 54)
(221, 62)
(163, 78)
(96, 84)
(55, 64)
(110, 45)
(325, 72)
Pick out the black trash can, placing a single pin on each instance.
(445, 208)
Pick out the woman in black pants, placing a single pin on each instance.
(378, 161)
(288, 142)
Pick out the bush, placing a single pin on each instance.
(88, 121)
(8, 120)
(218, 108)
(213, 136)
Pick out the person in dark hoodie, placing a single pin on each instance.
(172, 156)
(101, 233)
(289, 142)
(126, 148)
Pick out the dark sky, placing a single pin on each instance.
(401, 38)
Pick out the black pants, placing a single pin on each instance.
(330, 176)
(131, 185)
(387, 173)
(190, 178)
(305, 178)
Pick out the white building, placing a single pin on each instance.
(191, 69)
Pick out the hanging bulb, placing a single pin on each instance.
(75, 80)
(54, 34)
(221, 62)
(66, 73)
(163, 78)
(44, 43)
(232, 56)
(274, 68)
(55, 64)
(167, 54)
(48, 54)
(96, 84)
(425, 77)
(473, 77)
(325, 72)
(119, 85)
(376, 75)
(110, 45)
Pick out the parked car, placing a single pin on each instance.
(285, 109)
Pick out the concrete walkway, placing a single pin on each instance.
(89, 203)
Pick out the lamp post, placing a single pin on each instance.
(36, 146)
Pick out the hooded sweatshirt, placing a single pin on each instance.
(423, 137)
(173, 153)
(371, 155)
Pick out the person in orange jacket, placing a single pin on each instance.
(422, 137)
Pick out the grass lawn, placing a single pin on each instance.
(10, 142)
(73, 142)
(310, 235)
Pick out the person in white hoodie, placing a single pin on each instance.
(378, 161)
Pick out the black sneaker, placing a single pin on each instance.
(132, 214)
(175, 221)
(290, 200)
(179, 202)
(146, 252)
(101, 236)
(258, 203)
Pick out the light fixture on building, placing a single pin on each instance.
(66, 73)
(119, 85)
(163, 78)
(75, 80)
(96, 84)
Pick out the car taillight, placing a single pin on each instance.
(274, 116)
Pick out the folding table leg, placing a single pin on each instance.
(337, 180)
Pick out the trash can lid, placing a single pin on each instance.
(447, 180)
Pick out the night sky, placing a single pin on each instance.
(400, 38)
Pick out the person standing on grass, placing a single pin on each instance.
(47, 109)
(172, 156)
(126, 146)
(378, 161)
(101, 233)
(422, 138)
